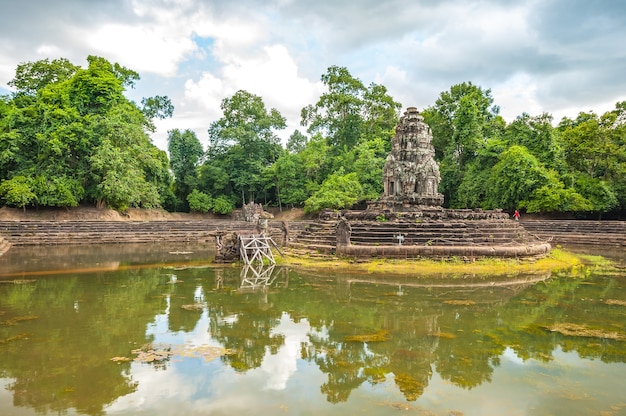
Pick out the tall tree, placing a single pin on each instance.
(351, 126)
(287, 176)
(538, 136)
(245, 142)
(520, 180)
(595, 151)
(185, 156)
(349, 112)
(65, 130)
(462, 121)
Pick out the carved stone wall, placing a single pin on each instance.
(411, 174)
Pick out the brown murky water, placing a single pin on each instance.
(147, 330)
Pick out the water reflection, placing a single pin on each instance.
(270, 340)
(257, 276)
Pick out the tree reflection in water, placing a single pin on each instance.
(75, 323)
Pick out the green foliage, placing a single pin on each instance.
(516, 176)
(74, 137)
(213, 178)
(57, 191)
(185, 155)
(120, 180)
(297, 142)
(17, 192)
(199, 201)
(350, 112)
(31, 77)
(158, 106)
(96, 89)
(539, 137)
(223, 205)
(369, 160)
(338, 191)
(601, 196)
(554, 197)
(462, 120)
(287, 176)
(243, 143)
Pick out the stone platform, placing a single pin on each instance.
(466, 234)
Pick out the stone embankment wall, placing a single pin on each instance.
(35, 232)
(584, 232)
(318, 236)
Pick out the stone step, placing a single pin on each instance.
(322, 248)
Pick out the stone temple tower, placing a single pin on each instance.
(411, 174)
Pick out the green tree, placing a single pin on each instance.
(244, 142)
(120, 181)
(595, 151)
(199, 201)
(223, 205)
(297, 142)
(287, 176)
(316, 159)
(185, 156)
(338, 191)
(76, 138)
(539, 137)
(349, 112)
(17, 192)
(516, 175)
(369, 159)
(462, 120)
(213, 178)
(31, 77)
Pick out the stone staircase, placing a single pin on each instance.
(440, 233)
(35, 232)
(609, 233)
(311, 237)
(440, 236)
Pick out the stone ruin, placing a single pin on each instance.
(411, 174)
(253, 212)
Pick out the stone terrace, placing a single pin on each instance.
(611, 233)
(40, 232)
(320, 236)
(433, 238)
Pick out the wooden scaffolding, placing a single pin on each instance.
(256, 249)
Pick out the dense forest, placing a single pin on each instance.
(69, 136)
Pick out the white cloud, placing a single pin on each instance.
(281, 366)
(531, 54)
(517, 95)
(271, 74)
(144, 49)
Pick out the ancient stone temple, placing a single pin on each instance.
(409, 221)
(411, 174)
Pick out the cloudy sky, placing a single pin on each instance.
(555, 56)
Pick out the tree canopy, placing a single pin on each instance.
(69, 136)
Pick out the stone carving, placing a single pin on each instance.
(252, 212)
(411, 174)
(343, 232)
(227, 245)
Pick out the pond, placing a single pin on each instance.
(155, 330)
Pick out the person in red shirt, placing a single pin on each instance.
(516, 215)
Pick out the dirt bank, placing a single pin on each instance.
(132, 214)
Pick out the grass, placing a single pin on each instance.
(557, 260)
